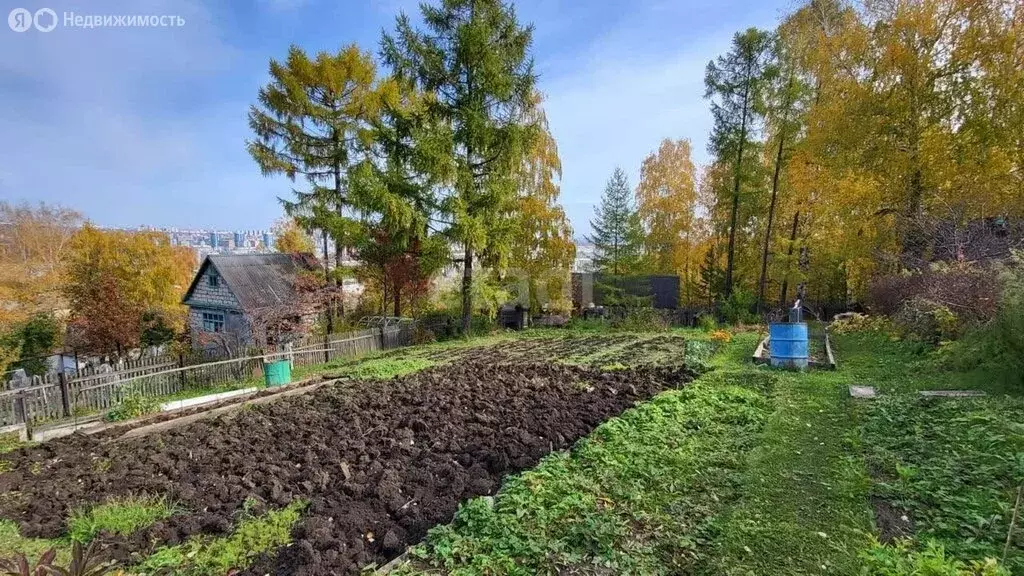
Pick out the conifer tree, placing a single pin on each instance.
(618, 231)
(473, 58)
(311, 122)
(735, 84)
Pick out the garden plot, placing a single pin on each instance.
(586, 350)
(372, 466)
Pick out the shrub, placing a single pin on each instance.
(1000, 342)
(969, 291)
(737, 308)
(721, 336)
(707, 323)
(927, 320)
(861, 323)
(447, 324)
(639, 320)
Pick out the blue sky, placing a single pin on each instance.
(138, 126)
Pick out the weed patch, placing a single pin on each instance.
(121, 517)
(955, 465)
(384, 368)
(254, 536)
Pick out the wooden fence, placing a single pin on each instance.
(61, 395)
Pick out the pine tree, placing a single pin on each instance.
(735, 83)
(618, 231)
(474, 57)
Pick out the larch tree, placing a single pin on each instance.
(785, 100)
(473, 57)
(735, 85)
(542, 248)
(310, 122)
(618, 233)
(667, 205)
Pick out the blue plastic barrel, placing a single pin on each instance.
(787, 344)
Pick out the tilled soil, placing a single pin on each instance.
(379, 462)
(533, 350)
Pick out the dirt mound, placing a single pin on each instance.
(379, 462)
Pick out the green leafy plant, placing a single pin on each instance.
(134, 405)
(902, 559)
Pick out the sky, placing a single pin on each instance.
(147, 125)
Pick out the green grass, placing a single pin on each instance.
(121, 516)
(669, 488)
(635, 497)
(383, 368)
(12, 542)
(11, 441)
(204, 556)
(804, 507)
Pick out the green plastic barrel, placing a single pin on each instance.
(277, 373)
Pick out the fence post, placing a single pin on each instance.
(327, 348)
(181, 373)
(20, 415)
(65, 396)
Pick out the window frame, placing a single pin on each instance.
(212, 321)
(212, 280)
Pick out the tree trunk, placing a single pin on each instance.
(339, 242)
(330, 304)
(771, 218)
(736, 189)
(789, 256)
(467, 288)
(397, 296)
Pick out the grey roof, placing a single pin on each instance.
(257, 280)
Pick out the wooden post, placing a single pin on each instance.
(327, 347)
(20, 415)
(65, 395)
(181, 373)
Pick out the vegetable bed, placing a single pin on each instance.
(374, 464)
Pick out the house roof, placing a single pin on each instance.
(256, 280)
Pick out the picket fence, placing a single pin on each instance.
(58, 396)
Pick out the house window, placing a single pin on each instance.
(213, 280)
(213, 322)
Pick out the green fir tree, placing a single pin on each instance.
(618, 232)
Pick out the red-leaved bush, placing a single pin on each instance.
(971, 292)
